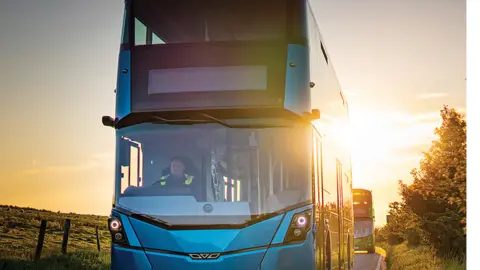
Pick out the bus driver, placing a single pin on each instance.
(175, 181)
(177, 178)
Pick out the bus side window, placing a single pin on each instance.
(317, 163)
(319, 167)
(130, 164)
(144, 35)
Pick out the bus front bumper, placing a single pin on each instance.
(287, 257)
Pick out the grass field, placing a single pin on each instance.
(19, 228)
(402, 257)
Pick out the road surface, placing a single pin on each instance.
(364, 261)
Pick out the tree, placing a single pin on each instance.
(442, 172)
(403, 224)
(433, 207)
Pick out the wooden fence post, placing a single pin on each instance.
(41, 237)
(66, 231)
(98, 240)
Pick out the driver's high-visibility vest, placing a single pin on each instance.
(164, 179)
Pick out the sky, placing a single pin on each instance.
(397, 61)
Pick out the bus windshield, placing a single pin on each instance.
(363, 228)
(203, 174)
(182, 21)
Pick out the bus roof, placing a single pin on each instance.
(361, 190)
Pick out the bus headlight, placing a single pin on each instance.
(116, 230)
(115, 224)
(299, 227)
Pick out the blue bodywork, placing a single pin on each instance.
(297, 84)
(259, 246)
(123, 102)
(128, 258)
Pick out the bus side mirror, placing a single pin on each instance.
(108, 121)
(311, 116)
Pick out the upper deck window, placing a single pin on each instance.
(144, 35)
(182, 21)
(362, 197)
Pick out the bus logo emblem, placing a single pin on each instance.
(204, 256)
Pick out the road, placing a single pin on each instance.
(364, 261)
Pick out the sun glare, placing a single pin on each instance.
(378, 137)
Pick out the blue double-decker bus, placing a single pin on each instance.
(230, 140)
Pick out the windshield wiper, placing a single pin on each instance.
(216, 120)
(193, 121)
(250, 125)
(150, 219)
